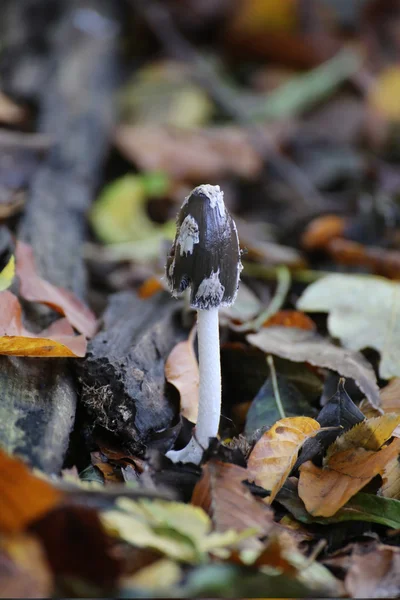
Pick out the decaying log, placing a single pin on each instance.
(38, 397)
(123, 374)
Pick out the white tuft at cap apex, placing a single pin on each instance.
(213, 193)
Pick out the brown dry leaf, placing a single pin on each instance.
(275, 453)
(230, 504)
(24, 571)
(193, 155)
(58, 340)
(11, 113)
(300, 345)
(110, 474)
(291, 318)
(182, 370)
(374, 572)
(324, 491)
(378, 260)
(321, 231)
(272, 31)
(77, 545)
(36, 289)
(391, 480)
(24, 497)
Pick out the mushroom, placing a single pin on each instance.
(205, 256)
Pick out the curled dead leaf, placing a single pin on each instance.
(58, 340)
(275, 453)
(36, 289)
(182, 370)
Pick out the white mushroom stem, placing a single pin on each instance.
(209, 390)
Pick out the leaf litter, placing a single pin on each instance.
(299, 496)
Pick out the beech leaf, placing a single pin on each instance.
(58, 340)
(324, 491)
(275, 453)
(228, 501)
(363, 313)
(182, 370)
(36, 289)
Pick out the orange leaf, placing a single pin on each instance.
(56, 341)
(321, 231)
(291, 318)
(275, 453)
(182, 370)
(24, 498)
(230, 504)
(324, 491)
(36, 289)
(151, 286)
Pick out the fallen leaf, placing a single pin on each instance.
(109, 472)
(383, 93)
(374, 572)
(300, 345)
(182, 370)
(370, 434)
(276, 452)
(391, 480)
(263, 411)
(191, 155)
(178, 530)
(290, 318)
(58, 340)
(163, 93)
(77, 546)
(228, 501)
(36, 289)
(24, 497)
(24, 570)
(161, 575)
(362, 313)
(7, 274)
(151, 286)
(119, 213)
(11, 113)
(361, 507)
(378, 260)
(321, 231)
(324, 491)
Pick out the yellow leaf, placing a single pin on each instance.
(178, 530)
(276, 451)
(324, 491)
(182, 370)
(7, 274)
(385, 93)
(370, 434)
(160, 575)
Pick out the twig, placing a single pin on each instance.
(159, 20)
(275, 387)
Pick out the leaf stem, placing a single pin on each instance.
(275, 386)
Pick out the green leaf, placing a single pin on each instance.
(364, 312)
(264, 411)
(119, 214)
(7, 274)
(180, 531)
(362, 507)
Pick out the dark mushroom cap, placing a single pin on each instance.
(205, 254)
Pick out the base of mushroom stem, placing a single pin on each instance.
(192, 453)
